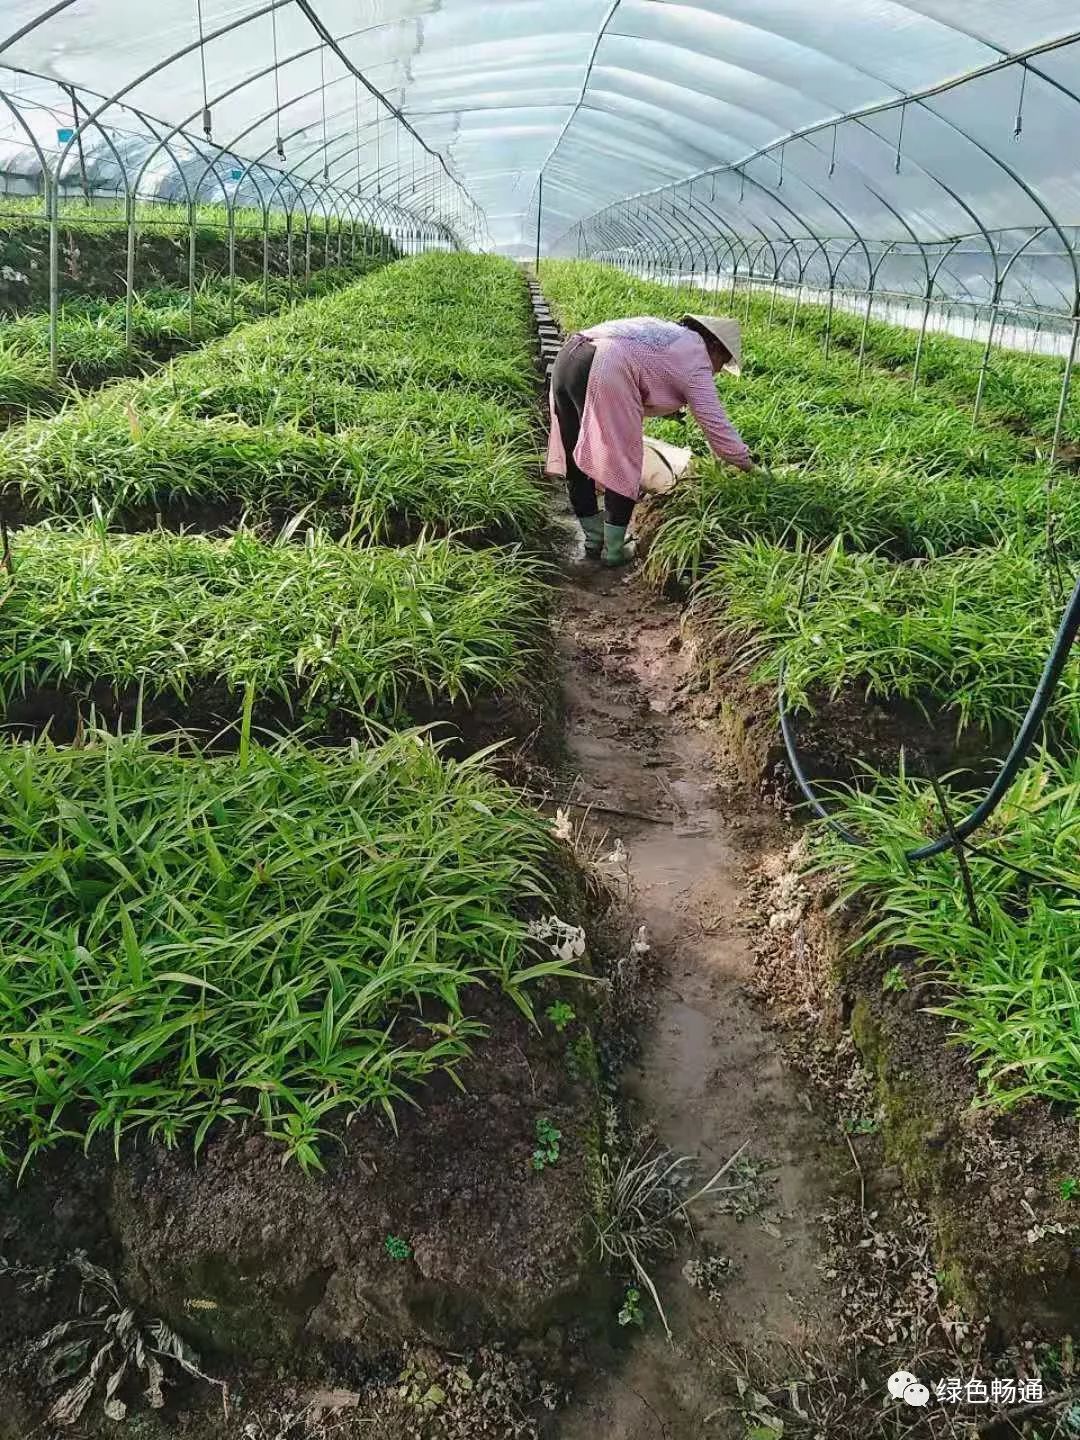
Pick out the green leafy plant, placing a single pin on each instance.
(252, 936)
(862, 1125)
(397, 1248)
(371, 632)
(1009, 984)
(561, 1014)
(631, 1312)
(894, 981)
(1069, 1187)
(547, 1144)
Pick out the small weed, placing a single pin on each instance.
(894, 981)
(642, 1199)
(862, 1125)
(397, 1248)
(710, 1274)
(560, 1014)
(1069, 1187)
(582, 1062)
(547, 1144)
(631, 1312)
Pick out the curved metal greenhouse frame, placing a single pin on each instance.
(902, 156)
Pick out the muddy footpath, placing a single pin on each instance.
(708, 1078)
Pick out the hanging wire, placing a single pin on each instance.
(378, 151)
(742, 185)
(900, 137)
(322, 92)
(780, 180)
(280, 144)
(356, 126)
(832, 157)
(1018, 126)
(397, 148)
(206, 120)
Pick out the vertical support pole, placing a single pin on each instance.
(539, 219)
(340, 240)
(795, 309)
(866, 322)
(79, 141)
(232, 263)
(307, 251)
(1063, 399)
(985, 366)
(129, 270)
(266, 258)
(191, 267)
(288, 252)
(927, 302)
(829, 314)
(52, 204)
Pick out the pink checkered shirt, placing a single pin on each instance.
(642, 367)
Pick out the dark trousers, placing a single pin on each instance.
(569, 381)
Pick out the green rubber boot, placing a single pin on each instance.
(593, 526)
(617, 549)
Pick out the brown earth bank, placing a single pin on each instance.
(523, 725)
(1006, 1241)
(268, 1271)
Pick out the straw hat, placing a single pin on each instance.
(728, 332)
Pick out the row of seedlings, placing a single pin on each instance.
(102, 340)
(243, 927)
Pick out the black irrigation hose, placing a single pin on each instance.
(1021, 748)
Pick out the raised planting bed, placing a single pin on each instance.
(884, 507)
(183, 628)
(314, 403)
(968, 631)
(92, 345)
(967, 1025)
(275, 964)
(132, 463)
(444, 322)
(1021, 390)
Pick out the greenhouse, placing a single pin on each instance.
(539, 720)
